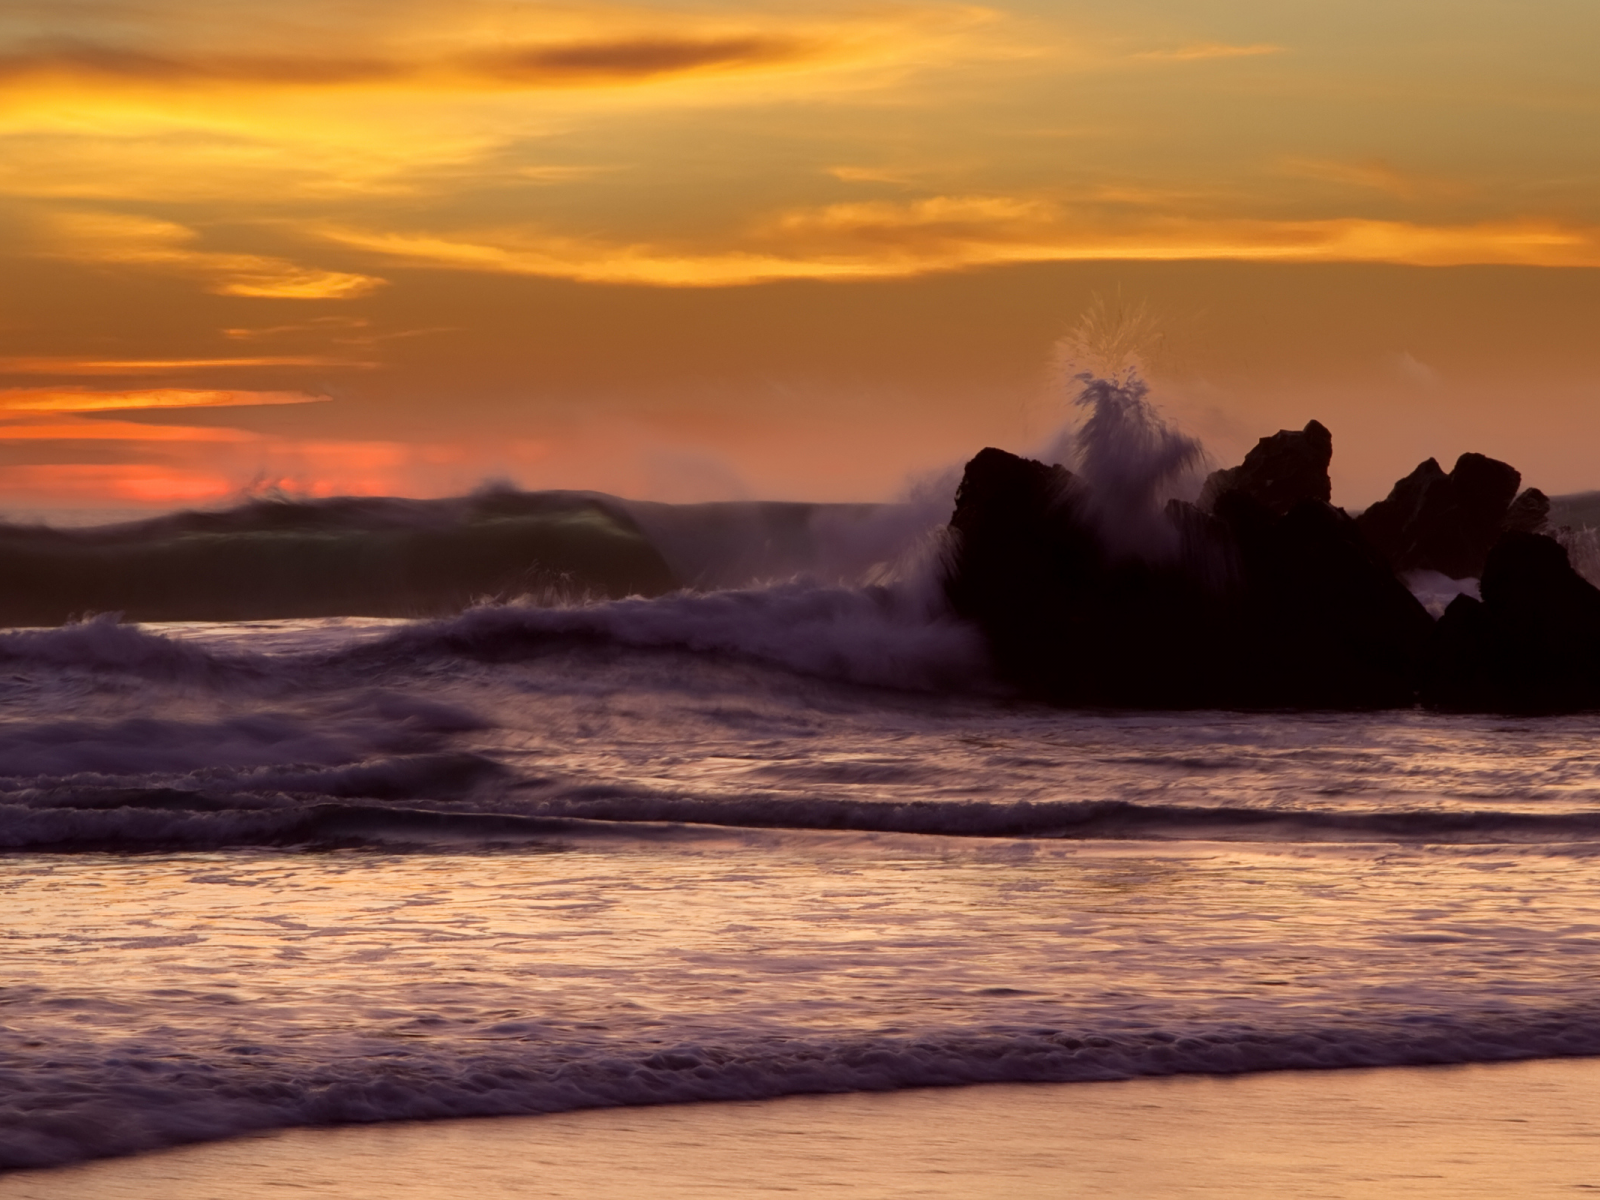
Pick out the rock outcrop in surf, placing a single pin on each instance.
(1431, 521)
(1531, 644)
(1282, 471)
(1270, 596)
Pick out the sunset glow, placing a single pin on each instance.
(752, 235)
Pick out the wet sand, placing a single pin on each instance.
(1523, 1129)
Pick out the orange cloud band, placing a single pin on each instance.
(68, 365)
(82, 400)
(632, 58)
(879, 241)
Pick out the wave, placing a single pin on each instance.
(340, 557)
(886, 636)
(423, 800)
(883, 636)
(106, 1099)
(1090, 819)
(390, 557)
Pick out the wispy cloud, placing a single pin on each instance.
(103, 237)
(467, 45)
(887, 240)
(1374, 173)
(870, 175)
(70, 365)
(1197, 51)
(85, 400)
(638, 58)
(121, 431)
(186, 102)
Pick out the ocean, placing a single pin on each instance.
(743, 841)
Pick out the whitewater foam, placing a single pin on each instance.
(142, 1103)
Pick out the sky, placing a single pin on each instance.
(782, 250)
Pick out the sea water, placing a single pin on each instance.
(730, 845)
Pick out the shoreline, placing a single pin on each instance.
(1480, 1130)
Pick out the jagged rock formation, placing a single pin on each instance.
(1065, 619)
(1321, 620)
(1532, 644)
(1432, 521)
(1529, 513)
(1280, 472)
(1272, 597)
(1257, 608)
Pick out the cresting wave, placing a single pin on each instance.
(141, 1100)
(78, 816)
(393, 557)
(888, 636)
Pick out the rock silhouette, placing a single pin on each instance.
(1256, 608)
(1280, 472)
(1432, 521)
(1065, 619)
(1532, 644)
(1273, 597)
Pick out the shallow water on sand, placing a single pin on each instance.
(1525, 1129)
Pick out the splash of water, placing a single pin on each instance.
(1131, 461)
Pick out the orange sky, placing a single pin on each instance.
(690, 251)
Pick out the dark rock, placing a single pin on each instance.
(1531, 645)
(1255, 609)
(1322, 621)
(1529, 512)
(1281, 471)
(1064, 619)
(1260, 608)
(1431, 521)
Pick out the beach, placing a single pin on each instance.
(1524, 1129)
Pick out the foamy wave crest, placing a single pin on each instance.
(265, 778)
(1085, 819)
(102, 1099)
(377, 723)
(882, 636)
(151, 818)
(886, 636)
(104, 643)
(419, 800)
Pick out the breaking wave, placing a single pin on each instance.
(385, 557)
(416, 802)
(889, 636)
(141, 1100)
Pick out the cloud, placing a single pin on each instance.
(273, 106)
(102, 237)
(320, 326)
(66, 364)
(77, 484)
(121, 431)
(869, 175)
(1372, 173)
(1414, 371)
(879, 240)
(638, 58)
(84, 400)
(73, 461)
(1198, 51)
